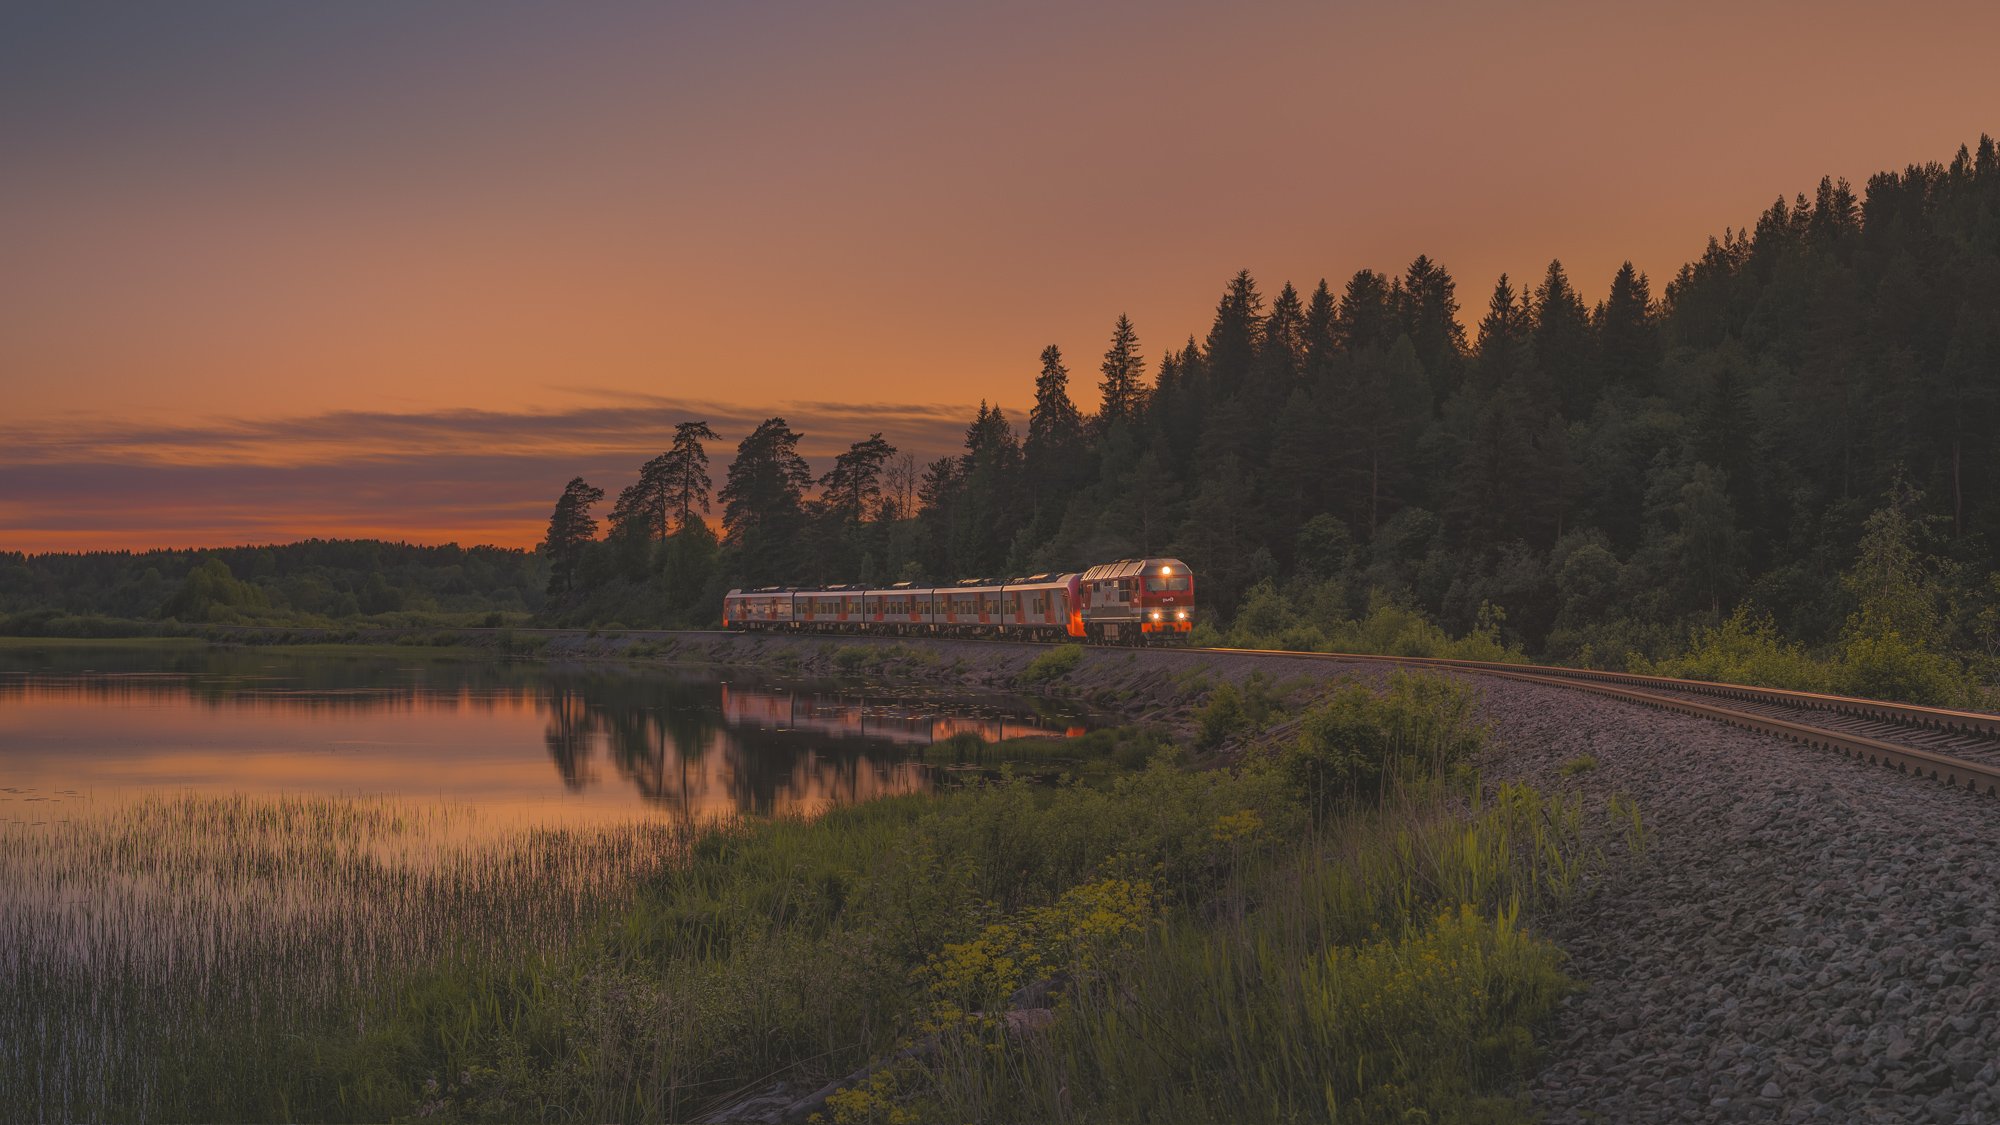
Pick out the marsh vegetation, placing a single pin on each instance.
(1342, 923)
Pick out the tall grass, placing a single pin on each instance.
(1381, 972)
(163, 960)
(1167, 945)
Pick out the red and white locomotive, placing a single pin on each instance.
(1132, 601)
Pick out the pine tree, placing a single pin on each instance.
(1322, 334)
(1367, 316)
(571, 529)
(1231, 352)
(1281, 350)
(1504, 333)
(763, 503)
(1564, 344)
(1123, 385)
(1628, 337)
(988, 504)
(1053, 458)
(1055, 426)
(1428, 314)
(853, 487)
(640, 513)
(1385, 403)
(684, 480)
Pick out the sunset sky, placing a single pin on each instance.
(282, 270)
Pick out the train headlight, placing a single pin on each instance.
(1156, 615)
(1180, 615)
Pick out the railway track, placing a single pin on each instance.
(1958, 748)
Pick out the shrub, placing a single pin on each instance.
(1360, 740)
(1051, 665)
(1745, 649)
(1231, 711)
(1886, 666)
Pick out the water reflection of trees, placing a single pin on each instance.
(702, 747)
(683, 740)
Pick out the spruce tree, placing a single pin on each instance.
(1231, 351)
(1322, 334)
(1281, 350)
(1123, 386)
(1628, 353)
(1055, 426)
(1504, 333)
(1367, 318)
(1564, 344)
(1427, 311)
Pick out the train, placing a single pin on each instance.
(1131, 601)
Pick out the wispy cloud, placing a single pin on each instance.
(472, 476)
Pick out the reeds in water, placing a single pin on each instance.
(137, 944)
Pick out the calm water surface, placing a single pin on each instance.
(89, 727)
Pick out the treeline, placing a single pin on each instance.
(305, 583)
(1594, 478)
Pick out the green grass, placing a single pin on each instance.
(1579, 765)
(1206, 945)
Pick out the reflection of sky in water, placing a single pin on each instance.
(96, 725)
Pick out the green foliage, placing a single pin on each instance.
(1579, 765)
(1161, 924)
(1884, 665)
(1051, 665)
(210, 593)
(1381, 973)
(1745, 649)
(1231, 711)
(1361, 741)
(1893, 646)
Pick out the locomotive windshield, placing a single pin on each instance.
(1156, 584)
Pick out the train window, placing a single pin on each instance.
(1159, 584)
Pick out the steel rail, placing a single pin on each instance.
(1959, 773)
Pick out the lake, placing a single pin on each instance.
(95, 726)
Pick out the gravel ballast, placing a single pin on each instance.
(1807, 938)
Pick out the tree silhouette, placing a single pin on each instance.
(571, 528)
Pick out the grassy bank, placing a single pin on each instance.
(1341, 926)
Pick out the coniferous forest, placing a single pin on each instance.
(1800, 423)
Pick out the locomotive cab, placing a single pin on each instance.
(1139, 600)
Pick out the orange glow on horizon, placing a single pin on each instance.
(256, 243)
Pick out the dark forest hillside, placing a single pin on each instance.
(1605, 474)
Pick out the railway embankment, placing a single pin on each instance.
(1804, 937)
